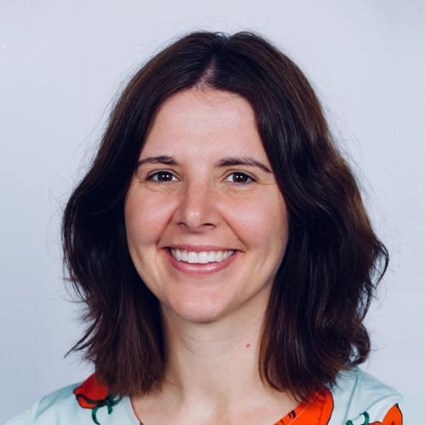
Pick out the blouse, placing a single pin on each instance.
(357, 398)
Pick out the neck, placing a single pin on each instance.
(212, 373)
(213, 360)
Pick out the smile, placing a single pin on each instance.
(202, 257)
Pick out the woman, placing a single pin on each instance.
(221, 245)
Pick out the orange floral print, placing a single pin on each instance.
(92, 394)
(393, 417)
(316, 412)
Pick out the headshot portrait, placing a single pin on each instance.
(212, 215)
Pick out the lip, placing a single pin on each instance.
(198, 268)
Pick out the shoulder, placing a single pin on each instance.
(83, 404)
(359, 398)
(52, 405)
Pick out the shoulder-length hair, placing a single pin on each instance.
(314, 322)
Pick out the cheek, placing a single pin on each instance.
(144, 220)
(262, 221)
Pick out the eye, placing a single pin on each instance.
(239, 178)
(161, 177)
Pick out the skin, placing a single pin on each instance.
(204, 183)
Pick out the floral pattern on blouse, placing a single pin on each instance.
(92, 394)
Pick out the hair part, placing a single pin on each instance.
(313, 326)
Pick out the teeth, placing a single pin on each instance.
(203, 257)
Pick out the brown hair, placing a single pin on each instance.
(314, 323)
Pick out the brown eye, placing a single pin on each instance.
(240, 178)
(162, 177)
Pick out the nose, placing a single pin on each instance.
(196, 210)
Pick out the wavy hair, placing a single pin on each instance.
(314, 321)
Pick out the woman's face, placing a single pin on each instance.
(206, 223)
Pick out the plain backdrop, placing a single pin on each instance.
(62, 63)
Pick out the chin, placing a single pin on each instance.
(196, 312)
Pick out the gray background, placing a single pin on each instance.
(62, 63)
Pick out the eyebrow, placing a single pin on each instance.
(225, 162)
(243, 160)
(161, 159)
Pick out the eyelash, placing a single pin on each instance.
(155, 177)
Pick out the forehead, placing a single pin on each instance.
(205, 116)
(204, 103)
